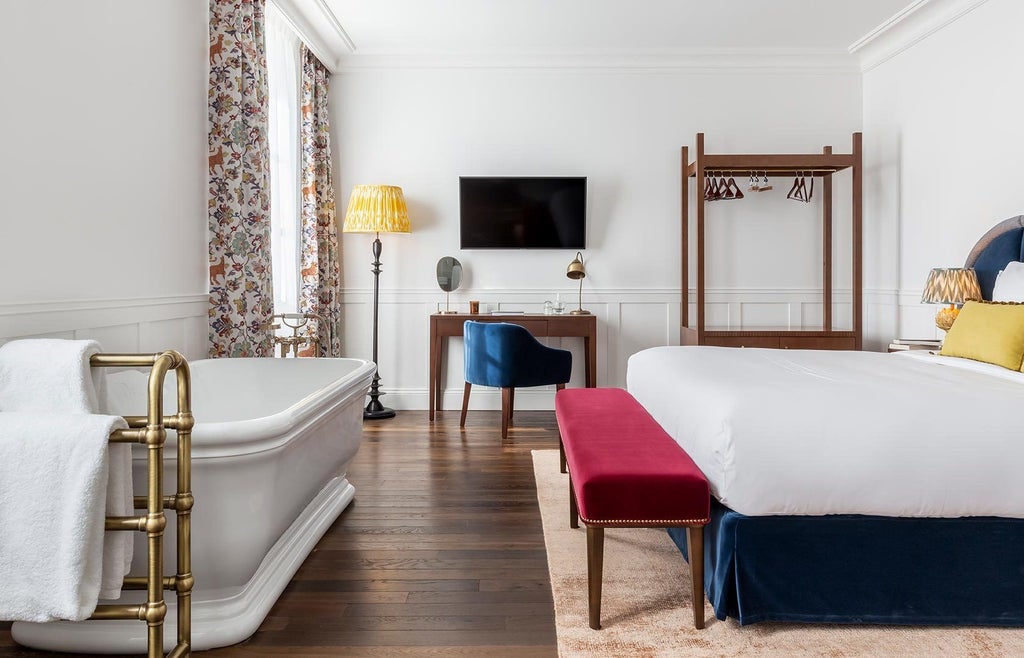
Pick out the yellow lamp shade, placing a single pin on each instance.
(376, 209)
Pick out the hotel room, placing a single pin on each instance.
(734, 292)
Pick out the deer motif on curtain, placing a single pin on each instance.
(321, 262)
(241, 284)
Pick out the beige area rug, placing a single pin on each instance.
(646, 608)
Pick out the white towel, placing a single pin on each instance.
(49, 514)
(50, 377)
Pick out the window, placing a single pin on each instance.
(283, 66)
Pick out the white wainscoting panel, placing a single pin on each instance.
(629, 320)
(176, 322)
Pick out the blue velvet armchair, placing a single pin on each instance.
(507, 356)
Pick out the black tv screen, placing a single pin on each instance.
(523, 213)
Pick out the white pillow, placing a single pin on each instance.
(1009, 283)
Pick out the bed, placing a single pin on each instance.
(853, 486)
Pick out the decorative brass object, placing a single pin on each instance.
(151, 431)
(577, 272)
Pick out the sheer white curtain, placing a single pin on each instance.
(283, 66)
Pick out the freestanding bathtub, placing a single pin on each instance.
(272, 442)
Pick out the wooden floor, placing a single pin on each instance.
(440, 554)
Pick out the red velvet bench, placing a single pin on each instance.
(625, 471)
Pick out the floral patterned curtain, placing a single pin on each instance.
(241, 285)
(321, 262)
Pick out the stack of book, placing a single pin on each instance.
(901, 344)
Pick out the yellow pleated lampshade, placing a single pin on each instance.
(376, 209)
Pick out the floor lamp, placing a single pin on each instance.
(376, 209)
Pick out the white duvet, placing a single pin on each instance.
(824, 432)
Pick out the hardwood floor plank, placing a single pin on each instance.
(440, 554)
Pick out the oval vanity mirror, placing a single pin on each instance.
(449, 276)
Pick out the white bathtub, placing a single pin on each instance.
(272, 442)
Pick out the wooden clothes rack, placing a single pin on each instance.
(151, 431)
(820, 165)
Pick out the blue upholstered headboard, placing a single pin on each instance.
(1003, 243)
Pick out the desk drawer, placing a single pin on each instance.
(535, 327)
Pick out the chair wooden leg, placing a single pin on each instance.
(511, 404)
(506, 402)
(574, 512)
(695, 536)
(595, 566)
(559, 387)
(465, 404)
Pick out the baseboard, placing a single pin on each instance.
(482, 398)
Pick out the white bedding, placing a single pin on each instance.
(828, 432)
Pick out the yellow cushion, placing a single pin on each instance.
(993, 333)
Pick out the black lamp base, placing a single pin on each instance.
(380, 412)
(374, 410)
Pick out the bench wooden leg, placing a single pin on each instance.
(465, 404)
(506, 404)
(561, 446)
(695, 536)
(595, 567)
(574, 513)
(511, 404)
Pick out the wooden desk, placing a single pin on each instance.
(443, 326)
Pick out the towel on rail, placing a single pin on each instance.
(50, 377)
(53, 479)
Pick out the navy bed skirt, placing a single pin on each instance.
(863, 569)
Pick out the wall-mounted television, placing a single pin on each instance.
(523, 213)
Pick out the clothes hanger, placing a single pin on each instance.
(765, 185)
(794, 192)
(737, 192)
(727, 186)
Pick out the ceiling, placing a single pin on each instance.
(606, 27)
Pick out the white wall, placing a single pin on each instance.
(103, 172)
(421, 128)
(944, 124)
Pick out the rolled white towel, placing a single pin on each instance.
(53, 484)
(51, 375)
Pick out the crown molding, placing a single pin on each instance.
(717, 60)
(319, 28)
(913, 24)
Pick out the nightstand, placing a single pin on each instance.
(904, 344)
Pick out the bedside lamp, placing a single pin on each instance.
(953, 286)
(577, 272)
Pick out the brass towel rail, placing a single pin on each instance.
(151, 430)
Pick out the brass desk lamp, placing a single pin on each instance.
(577, 272)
